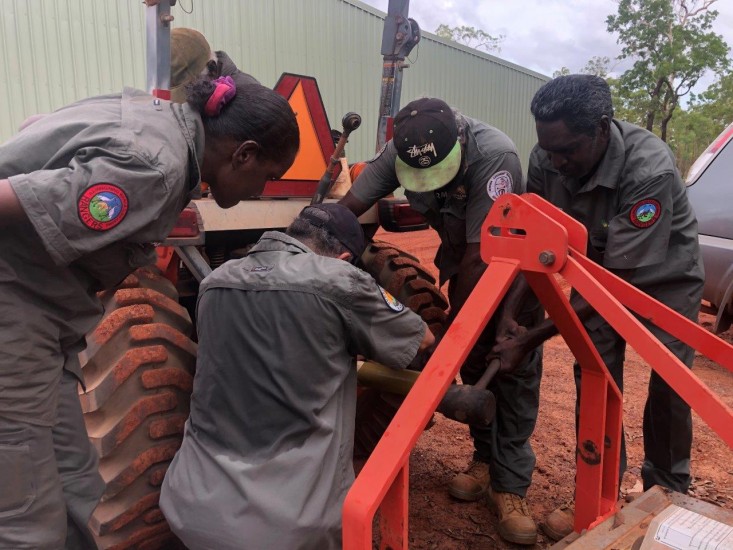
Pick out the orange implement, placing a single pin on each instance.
(527, 234)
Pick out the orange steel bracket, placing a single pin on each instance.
(527, 234)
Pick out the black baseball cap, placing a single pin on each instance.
(428, 150)
(341, 223)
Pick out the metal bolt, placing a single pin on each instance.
(547, 257)
(166, 18)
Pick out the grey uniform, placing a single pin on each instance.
(266, 459)
(640, 225)
(491, 167)
(99, 180)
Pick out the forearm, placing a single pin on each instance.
(355, 205)
(427, 340)
(547, 328)
(11, 211)
(469, 272)
(514, 299)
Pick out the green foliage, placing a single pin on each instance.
(692, 130)
(563, 71)
(673, 46)
(597, 65)
(471, 37)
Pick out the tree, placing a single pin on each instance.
(597, 65)
(673, 46)
(471, 37)
(563, 71)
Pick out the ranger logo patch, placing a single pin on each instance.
(102, 206)
(499, 184)
(645, 213)
(393, 303)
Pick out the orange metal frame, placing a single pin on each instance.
(527, 234)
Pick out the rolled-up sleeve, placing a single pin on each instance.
(100, 198)
(379, 178)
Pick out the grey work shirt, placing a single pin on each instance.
(266, 459)
(490, 168)
(100, 181)
(636, 211)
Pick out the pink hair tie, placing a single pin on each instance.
(225, 90)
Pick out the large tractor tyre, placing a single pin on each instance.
(138, 366)
(402, 276)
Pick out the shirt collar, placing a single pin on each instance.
(279, 241)
(192, 128)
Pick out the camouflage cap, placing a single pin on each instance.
(190, 52)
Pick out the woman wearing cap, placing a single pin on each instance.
(84, 194)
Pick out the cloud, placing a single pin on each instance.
(542, 35)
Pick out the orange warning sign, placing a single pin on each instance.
(316, 143)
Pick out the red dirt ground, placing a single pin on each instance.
(438, 522)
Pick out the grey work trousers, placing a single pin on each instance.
(504, 445)
(667, 425)
(50, 479)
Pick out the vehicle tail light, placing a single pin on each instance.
(396, 215)
(186, 224)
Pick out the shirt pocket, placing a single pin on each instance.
(16, 479)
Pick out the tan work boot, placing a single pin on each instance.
(515, 522)
(472, 484)
(559, 524)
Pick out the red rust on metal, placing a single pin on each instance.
(168, 376)
(164, 427)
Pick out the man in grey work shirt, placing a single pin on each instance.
(452, 169)
(621, 183)
(266, 459)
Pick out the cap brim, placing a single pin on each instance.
(434, 177)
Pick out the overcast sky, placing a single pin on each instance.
(542, 35)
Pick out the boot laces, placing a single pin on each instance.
(514, 502)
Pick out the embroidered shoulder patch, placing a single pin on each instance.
(645, 212)
(499, 184)
(102, 206)
(261, 269)
(393, 303)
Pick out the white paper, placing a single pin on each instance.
(683, 529)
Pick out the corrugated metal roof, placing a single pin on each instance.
(55, 52)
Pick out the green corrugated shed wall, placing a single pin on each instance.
(53, 52)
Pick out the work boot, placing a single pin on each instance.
(515, 522)
(472, 484)
(559, 524)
